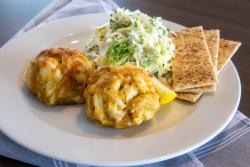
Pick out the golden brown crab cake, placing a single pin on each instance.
(59, 75)
(120, 96)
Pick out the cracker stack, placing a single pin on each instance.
(199, 57)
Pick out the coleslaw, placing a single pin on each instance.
(132, 37)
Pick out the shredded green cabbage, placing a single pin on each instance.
(132, 38)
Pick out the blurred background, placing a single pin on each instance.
(230, 16)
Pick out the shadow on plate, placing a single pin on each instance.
(71, 118)
(90, 127)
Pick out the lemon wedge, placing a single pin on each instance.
(166, 94)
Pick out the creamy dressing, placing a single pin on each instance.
(132, 38)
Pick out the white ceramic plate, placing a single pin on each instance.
(63, 132)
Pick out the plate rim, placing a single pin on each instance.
(140, 162)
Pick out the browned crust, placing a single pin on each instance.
(192, 65)
(110, 84)
(226, 51)
(213, 37)
(67, 79)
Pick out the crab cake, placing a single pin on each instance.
(59, 75)
(120, 96)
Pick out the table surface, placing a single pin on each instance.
(230, 16)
